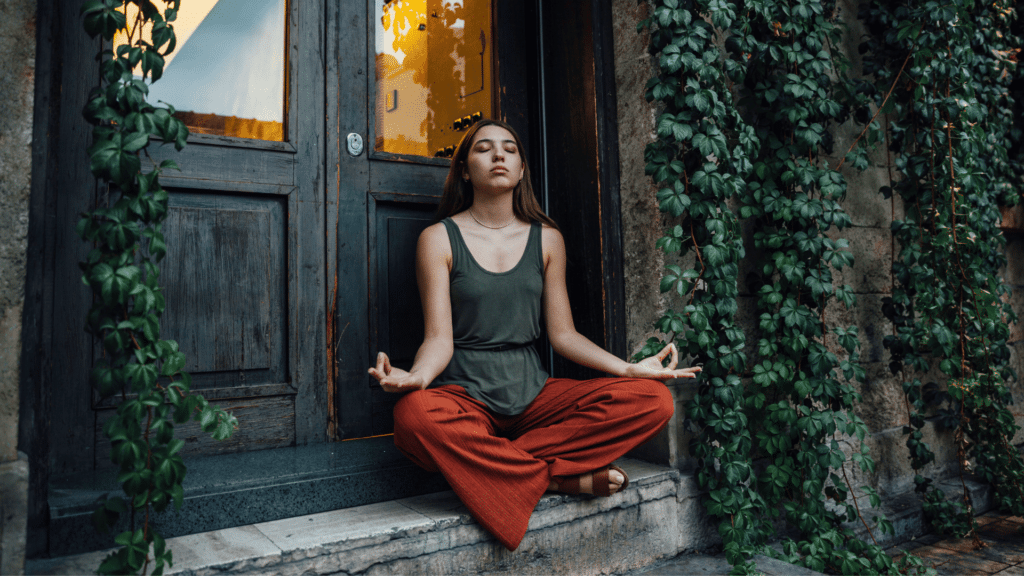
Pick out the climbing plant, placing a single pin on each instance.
(124, 229)
(942, 71)
(698, 173)
(742, 134)
(795, 88)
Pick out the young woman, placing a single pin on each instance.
(477, 405)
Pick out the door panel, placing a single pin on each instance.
(396, 323)
(399, 318)
(227, 264)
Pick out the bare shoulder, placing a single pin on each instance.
(551, 238)
(435, 235)
(552, 244)
(434, 241)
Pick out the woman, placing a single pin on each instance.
(478, 407)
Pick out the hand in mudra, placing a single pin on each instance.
(651, 367)
(395, 379)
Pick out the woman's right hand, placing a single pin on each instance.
(395, 379)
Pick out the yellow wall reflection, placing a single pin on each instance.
(433, 73)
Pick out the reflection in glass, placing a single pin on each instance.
(226, 76)
(433, 73)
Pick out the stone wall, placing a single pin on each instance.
(883, 408)
(17, 68)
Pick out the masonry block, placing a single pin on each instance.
(1016, 299)
(13, 514)
(872, 325)
(864, 201)
(1013, 274)
(670, 447)
(883, 405)
(893, 473)
(698, 531)
(872, 267)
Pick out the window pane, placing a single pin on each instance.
(433, 73)
(226, 75)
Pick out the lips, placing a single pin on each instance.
(499, 170)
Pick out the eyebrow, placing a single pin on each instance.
(491, 140)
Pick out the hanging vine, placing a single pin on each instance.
(707, 160)
(950, 126)
(795, 88)
(122, 271)
(698, 174)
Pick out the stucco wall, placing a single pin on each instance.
(17, 69)
(883, 407)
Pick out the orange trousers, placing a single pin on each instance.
(500, 466)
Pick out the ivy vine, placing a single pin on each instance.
(795, 87)
(950, 126)
(743, 135)
(698, 174)
(121, 269)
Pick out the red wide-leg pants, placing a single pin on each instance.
(500, 466)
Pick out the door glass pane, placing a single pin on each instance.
(227, 74)
(433, 73)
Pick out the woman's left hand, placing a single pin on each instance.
(652, 368)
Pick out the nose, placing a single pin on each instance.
(499, 152)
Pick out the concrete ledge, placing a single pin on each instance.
(434, 533)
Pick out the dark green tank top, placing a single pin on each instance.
(495, 319)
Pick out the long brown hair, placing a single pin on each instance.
(458, 193)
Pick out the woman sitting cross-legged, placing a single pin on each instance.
(477, 405)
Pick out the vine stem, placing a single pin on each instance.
(696, 249)
(891, 88)
(853, 494)
(149, 466)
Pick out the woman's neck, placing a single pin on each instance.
(492, 210)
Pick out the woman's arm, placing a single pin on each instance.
(433, 263)
(576, 347)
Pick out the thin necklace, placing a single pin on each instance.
(491, 227)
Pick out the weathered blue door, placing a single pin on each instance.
(245, 273)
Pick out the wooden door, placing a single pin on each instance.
(462, 61)
(244, 273)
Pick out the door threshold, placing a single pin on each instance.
(232, 490)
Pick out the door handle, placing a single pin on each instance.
(354, 144)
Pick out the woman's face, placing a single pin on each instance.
(494, 161)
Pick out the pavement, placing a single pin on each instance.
(1001, 554)
(700, 564)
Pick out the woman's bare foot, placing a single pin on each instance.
(586, 483)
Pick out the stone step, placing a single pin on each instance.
(227, 491)
(656, 518)
(648, 525)
(905, 511)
